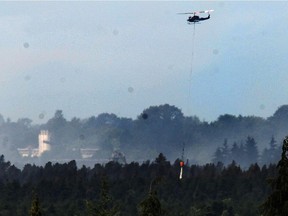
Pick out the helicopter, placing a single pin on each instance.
(195, 18)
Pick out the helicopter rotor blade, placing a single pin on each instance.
(196, 12)
(187, 13)
(208, 11)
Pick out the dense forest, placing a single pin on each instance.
(157, 129)
(64, 189)
(228, 164)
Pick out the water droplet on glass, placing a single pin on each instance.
(41, 116)
(26, 45)
(145, 116)
(115, 32)
(130, 89)
(170, 67)
(262, 107)
(62, 79)
(215, 51)
(27, 77)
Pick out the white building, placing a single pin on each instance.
(44, 142)
(28, 152)
(43, 146)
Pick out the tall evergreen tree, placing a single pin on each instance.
(218, 156)
(277, 203)
(236, 153)
(270, 155)
(226, 152)
(223, 154)
(35, 206)
(150, 206)
(104, 206)
(252, 153)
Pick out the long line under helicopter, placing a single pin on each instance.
(191, 20)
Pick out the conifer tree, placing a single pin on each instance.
(271, 154)
(151, 205)
(236, 153)
(277, 203)
(104, 206)
(35, 206)
(218, 156)
(222, 154)
(226, 153)
(251, 151)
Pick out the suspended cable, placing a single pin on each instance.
(188, 134)
(191, 71)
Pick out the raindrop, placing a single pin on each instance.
(130, 89)
(41, 116)
(171, 67)
(62, 79)
(26, 45)
(263, 33)
(27, 77)
(145, 116)
(115, 32)
(215, 51)
(262, 107)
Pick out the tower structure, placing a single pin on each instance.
(44, 142)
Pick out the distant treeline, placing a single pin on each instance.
(247, 153)
(157, 129)
(65, 190)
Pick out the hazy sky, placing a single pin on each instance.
(87, 58)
